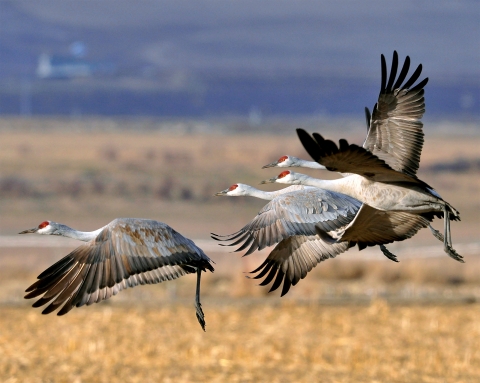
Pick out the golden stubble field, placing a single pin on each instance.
(288, 342)
(350, 320)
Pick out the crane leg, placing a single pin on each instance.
(447, 240)
(388, 253)
(198, 305)
(446, 217)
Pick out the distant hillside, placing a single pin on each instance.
(193, 58)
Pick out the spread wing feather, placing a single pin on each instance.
(302, 212)
(293, 258)
(372, 227)
(351, 158)
(128, 252)
(395, 132)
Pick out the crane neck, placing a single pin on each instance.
(337, 185)
(85, 236)
(309, 164)
(253, 192)
(257, 193)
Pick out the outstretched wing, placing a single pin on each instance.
(293, 258)
(351, 158)
(376, 227)
(127, 253)
(396, 132)
(303, 212)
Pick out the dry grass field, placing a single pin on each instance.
(244, 343)
(357, 318)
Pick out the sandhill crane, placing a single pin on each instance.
(306, 224)
(125, 253)
(291, 161)
(394, 136)
(297, 220)
(385, 189)
(394, 129)
(391, 230)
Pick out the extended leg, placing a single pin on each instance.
(447, 240)
(448, 235)
(198, 306)
(388, 254)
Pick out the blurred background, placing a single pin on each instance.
(241, 58)
(147, 108)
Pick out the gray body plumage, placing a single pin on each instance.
(299, 222)
(382, 173)
(377, 184)
(385, 167)
(125, 253)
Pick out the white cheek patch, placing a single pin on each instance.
(44, 230)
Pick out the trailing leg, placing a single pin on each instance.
(447, 240)
(198, 305)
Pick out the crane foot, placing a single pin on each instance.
(200, 315)
(388, 254)
(453, 254)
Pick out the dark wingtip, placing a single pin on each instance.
(319, 138)
(420, 85)
(393, 72)
(50, 308)
(302, 134)
(416, 74)
(40, 302)
(384, 74)
(286, 287)
(368, 117)
(32, 287)
(65, 309)
(403, 73)
(343, 144)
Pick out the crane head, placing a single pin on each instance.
(283, 162)
(285, 177)
(45, 227)
(227, 191)
(236, 190)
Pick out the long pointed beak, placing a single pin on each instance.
(272, 165)
(34, 230)
(269, 181)
(223, 192)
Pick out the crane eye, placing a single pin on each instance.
(284, 174)
(282, 159)
(43, 224)
(233, 187)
